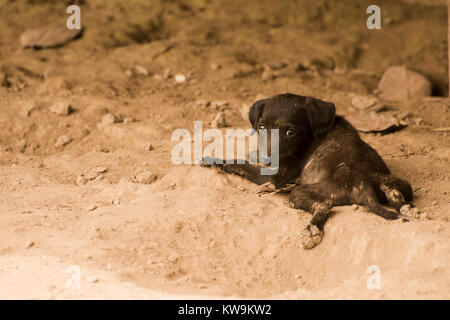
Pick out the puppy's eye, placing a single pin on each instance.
(290, 132)
(261, 126)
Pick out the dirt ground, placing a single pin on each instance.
(196, 233)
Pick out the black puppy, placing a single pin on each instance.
(323, 155)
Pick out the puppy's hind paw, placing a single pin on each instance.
(267, 187)
(209, 162)
(311, 236)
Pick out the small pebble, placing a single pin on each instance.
(167, 73)
(92, 207)
(100, 169)
(146, 177)
(81, 180)
(109, 119)
(30, 244)
(61, 108)
(355, 207)
(215, 66)
(180, 78)
(92, 279)
(141, 70)
(62, 141)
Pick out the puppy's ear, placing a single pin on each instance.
(256, 112)
(320, 115)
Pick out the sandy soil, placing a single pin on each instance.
(195, 232)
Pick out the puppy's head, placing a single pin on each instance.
(299, 120)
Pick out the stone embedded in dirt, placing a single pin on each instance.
(61, 108)
(92, 279)
(355, 207)
(401, 84)
(219, 121)
(167, 73)
(30, 244)
(275, 65)
(202, 103)
(146, 177)
(127, 120)
(268, 75)
(140, 70)
(100, 169)
(91, 207)
(29, 107)
(109, 119)
(81, 180)
(48, 36)
(244, 70)
(62, 141)
(180, 78)
(325, 63)
(215, 66)
(369, 121)
(368, 103)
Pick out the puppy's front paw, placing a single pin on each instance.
(311, 236)
(407, 212)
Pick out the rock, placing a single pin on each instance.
(202, 103)
(369, 103)
(129, 73)
(215, 66)
(365, 121)
(275, 65)
(100, 169)
(109, 119)
(355, 207)
(48, 36)
(29, 107)
(244, 70)
(92, 279)
(268, 74)
(140, 70)
(81, 180)
(91, 207)
(219, 121)
(62, 141)
(146, 177)
(180, 78)
(30, 244)
(400, 84)
(167, 73)
(61, 108)
(325, 63)
(128, 120)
